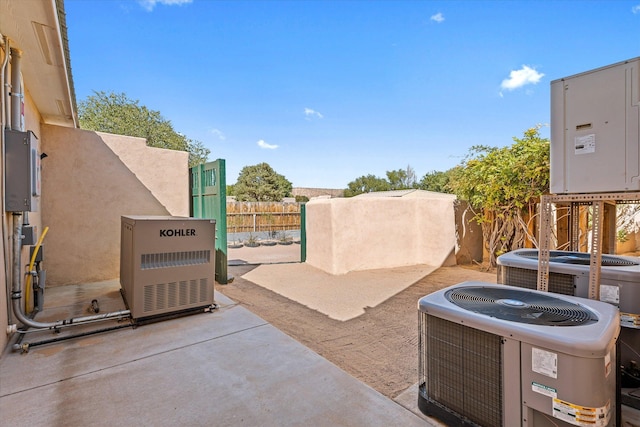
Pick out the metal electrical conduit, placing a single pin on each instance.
(16, 297)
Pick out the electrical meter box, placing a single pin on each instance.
(595, 130)
(22, 171)
(167, 264)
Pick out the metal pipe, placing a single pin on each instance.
(4, 42)
(26, 346)
(18, 342)
(16, 293)
(16, 297)
(74, 321)
(17, 246)
(16, 95)
(30, 271)
(4, 90)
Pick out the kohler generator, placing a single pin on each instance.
(167, 264)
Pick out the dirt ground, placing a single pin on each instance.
(380, 347)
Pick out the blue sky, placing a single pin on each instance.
(327, 91)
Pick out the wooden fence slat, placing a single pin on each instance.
(262, 216)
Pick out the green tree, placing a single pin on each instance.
(366, 184)
(260, 183)
(402, 179)
(302, 199)
(503, 186)
(117, 114)
(436, 181)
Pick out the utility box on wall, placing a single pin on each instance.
(595, 130)
(22, 171)
(167, 264)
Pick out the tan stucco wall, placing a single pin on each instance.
(89, 180)
(32, 123)
(164, 172)
(380, 232)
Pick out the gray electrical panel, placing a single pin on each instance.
(22, 171)
(595, 130)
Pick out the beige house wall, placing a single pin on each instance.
(88, 180)
(381, 232)
(32, 123)
(91, 179)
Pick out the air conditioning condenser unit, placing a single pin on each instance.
(492, 355)
(167, 264)
(569, 275)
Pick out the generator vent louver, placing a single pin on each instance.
(163, 296)
(580, 258)
(520, 306)
(174, 259)
(452, 352)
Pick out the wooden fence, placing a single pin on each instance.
(262, 216)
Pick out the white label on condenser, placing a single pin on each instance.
(581, 415)
(607, 365)
(543, 389)
(585, 144)
(544, 362)
(610, 293)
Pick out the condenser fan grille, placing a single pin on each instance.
(579, 258)
(520, 306)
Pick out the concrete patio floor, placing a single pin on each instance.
(224, 368)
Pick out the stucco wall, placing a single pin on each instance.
(89, 180)
(380, 232)
(32, 123)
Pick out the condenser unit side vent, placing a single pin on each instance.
(559, 283)
(462, 372)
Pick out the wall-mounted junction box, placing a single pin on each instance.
(595, 130)
(22, 171)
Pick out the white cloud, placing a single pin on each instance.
(438, 17)
(150, 4)
(218, 134)
(522, 77)
(636, 8)
(312, 113)
(266, 146)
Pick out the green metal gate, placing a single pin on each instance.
(209, 200)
